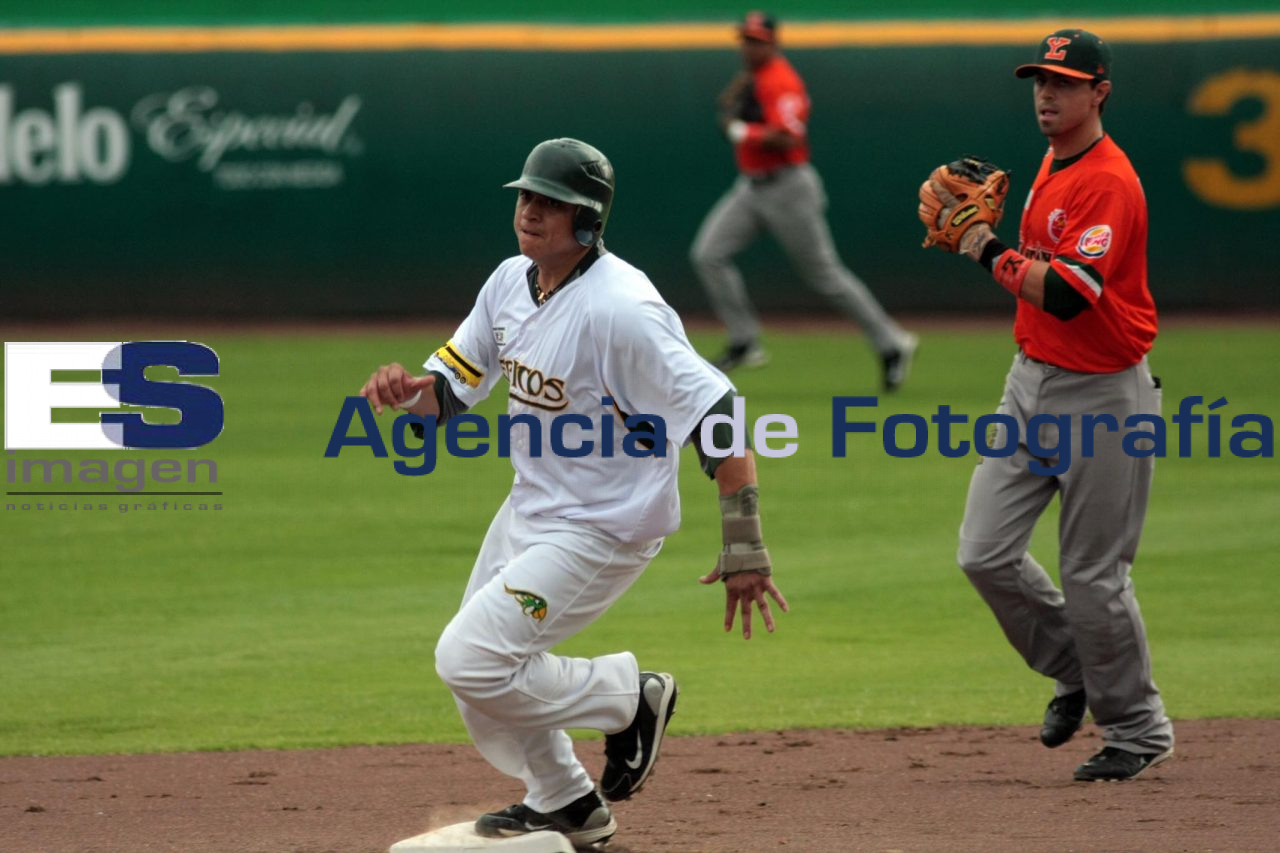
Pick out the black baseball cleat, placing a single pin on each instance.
(742, 355)
(631, 753)
(1063, 718)
(896, 364)
(1115, 765)
(587, 820)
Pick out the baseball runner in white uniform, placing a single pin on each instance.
(579, 333)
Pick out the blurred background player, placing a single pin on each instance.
(763, 112)
(1085, 323)
(578, 333)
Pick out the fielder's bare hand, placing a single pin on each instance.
(741, 590)
(392, 385)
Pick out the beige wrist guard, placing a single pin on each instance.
(744, 549)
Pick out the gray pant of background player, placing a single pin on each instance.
(792, 206)
(1090, 633)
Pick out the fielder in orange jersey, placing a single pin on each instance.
(764, 112)
(1085, 322)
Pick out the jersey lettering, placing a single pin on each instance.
(532, 387)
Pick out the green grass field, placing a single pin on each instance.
(304, 613)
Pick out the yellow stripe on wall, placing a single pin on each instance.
(691, 36)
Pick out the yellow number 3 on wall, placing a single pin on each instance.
(1209, 178)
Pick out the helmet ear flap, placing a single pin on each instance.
(587, 226)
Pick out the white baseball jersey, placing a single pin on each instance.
(608, 333)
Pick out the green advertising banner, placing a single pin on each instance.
(368, 182)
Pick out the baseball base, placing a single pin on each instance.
(462, 838)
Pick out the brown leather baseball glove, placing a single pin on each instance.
(958, 196)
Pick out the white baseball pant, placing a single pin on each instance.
(517, 698)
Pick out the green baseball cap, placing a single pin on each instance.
(1072, 53)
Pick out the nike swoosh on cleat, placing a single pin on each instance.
(634, 763)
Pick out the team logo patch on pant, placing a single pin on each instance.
(531, 604)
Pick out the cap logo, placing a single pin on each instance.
(1056, 45)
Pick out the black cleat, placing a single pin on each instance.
(1115, 765)
(742, 355)
(631, 753)
(587, 820)
(1062, 719)
(896, 364)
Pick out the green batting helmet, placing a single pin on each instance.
(573, 172)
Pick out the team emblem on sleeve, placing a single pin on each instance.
(1057, 224)
(1095, 241)
(531, 604)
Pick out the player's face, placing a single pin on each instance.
(544, 228)
(1064, 103)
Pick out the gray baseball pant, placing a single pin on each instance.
(1091, 632)
(792, 206)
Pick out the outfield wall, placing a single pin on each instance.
(358, 177)
(22, 13)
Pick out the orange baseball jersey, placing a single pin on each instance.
(777, 100)
(1089, 220)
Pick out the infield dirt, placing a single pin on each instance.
(952, 789)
